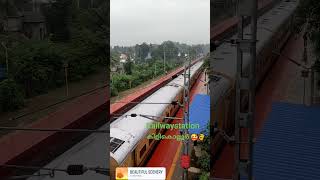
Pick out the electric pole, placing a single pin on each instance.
(91, 3)
(164, 59)
(245, 88)
(186, 102)
(155, 70)
(77, 4)
(6, 56)
(65, 65)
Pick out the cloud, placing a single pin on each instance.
(154, 21)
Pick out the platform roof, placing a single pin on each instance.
(289, 144)
(200, 112)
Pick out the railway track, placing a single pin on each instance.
(228, 28)
(25, 153)
(129, 143)
(131, 100)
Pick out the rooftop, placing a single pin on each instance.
(289, 144)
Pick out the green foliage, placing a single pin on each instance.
(204, 159)
(204, 162)
(308, 11)
(11, 97)
(128, 67)
(77, 36)
(121, 81)
(308, 18)
(37, 66)
(58, 16)
(206, 63)
(114, 91)
(171, 49)
(204, 176)
(139, 74)
(144, 50)
(114, 58)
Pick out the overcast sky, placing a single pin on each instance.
(154, 21)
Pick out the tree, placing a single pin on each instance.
(170, 49)
(308, 18)
(90, 32)
(145, 49)
(11, 96)
(204, 159)
(128, 66)
(114, 58)
(308, 12)
(59, 17)
(37, 66)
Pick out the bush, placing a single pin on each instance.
(121, 81)
(139, 74)
(114, 91)
(204, 162)
(204, 176)
(36, 66)
(11, 97)
(136, 80)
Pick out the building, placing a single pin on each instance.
(25, 17)
(148, 56)
(123, 58)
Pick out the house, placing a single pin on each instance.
(25, 17)
(123, 58)
(148, 56)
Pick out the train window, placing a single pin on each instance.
(115, 144)
(143, 150)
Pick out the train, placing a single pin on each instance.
(273, 31)
(129, 145)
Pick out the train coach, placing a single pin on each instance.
(274, 29)
(129, 146)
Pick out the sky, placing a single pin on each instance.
(154, 21)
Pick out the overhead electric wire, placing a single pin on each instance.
(54, 130)
(137, 102)
(292, 60)
(31, 167)
(143, 115)
(114, 116)
(73, 169)
(28, 176)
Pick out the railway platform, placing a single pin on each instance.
(139, 95)
(171, 150)
(20, 147)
